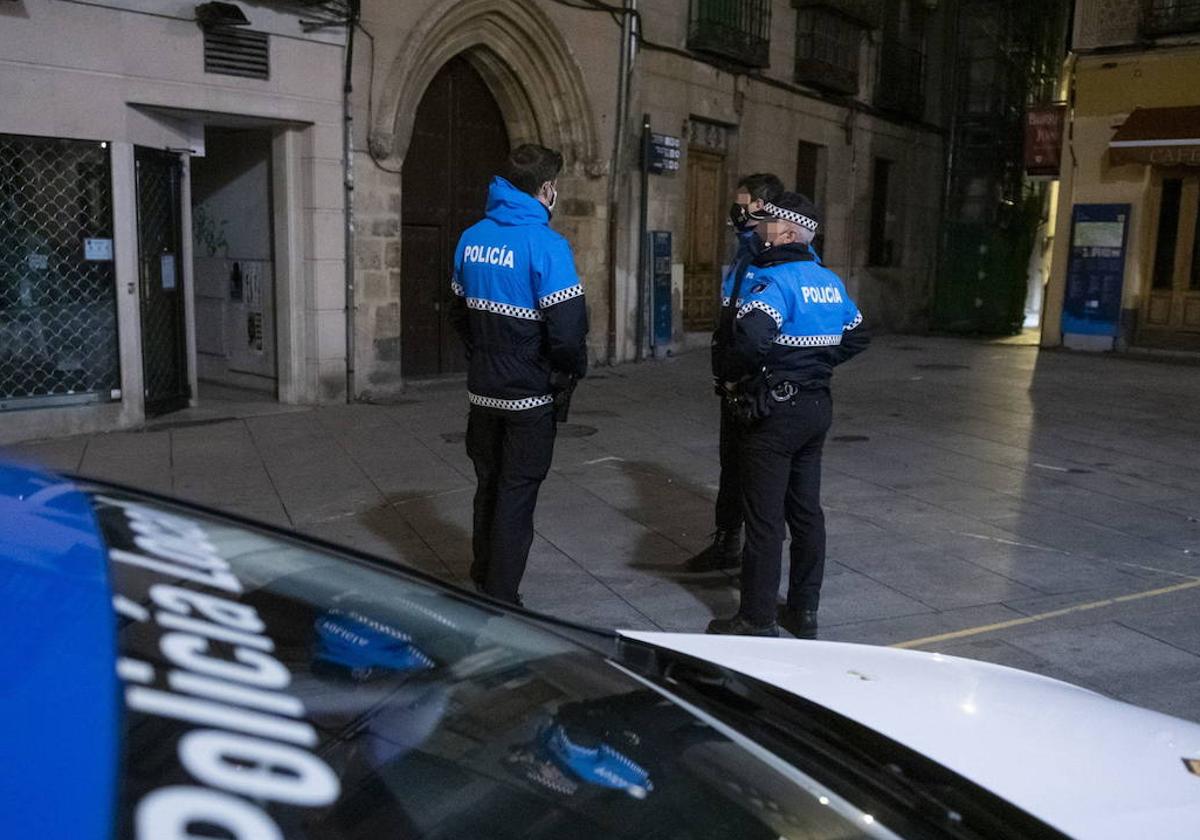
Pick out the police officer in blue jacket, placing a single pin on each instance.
(795, 323)
(520, 311)
(725, 551)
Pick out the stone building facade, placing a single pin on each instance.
(277, 257)
(840, 98)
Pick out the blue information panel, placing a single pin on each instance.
(660, 266)
(1096, 270)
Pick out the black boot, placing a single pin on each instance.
(800, 623)
(739, 625)
(724, 553)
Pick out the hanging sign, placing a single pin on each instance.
(1043, 140)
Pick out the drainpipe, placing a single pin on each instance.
(348, 181)
(950, 160)
(624, 72)
(643, 207)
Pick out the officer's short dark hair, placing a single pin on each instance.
(530, 165)
(762, 185)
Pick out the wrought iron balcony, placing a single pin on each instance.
(1170, 17)
(901, 87)
(827, 46)
(737, 30)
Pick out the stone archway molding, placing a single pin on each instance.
(523, 58)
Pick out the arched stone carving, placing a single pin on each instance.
(523, 58)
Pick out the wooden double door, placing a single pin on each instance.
(704, 248)
(459, 142)
(1170, 314)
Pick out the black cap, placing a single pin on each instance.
(792, 207)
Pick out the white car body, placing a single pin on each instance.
(1087, 765)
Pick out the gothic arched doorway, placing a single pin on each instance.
(459, 141)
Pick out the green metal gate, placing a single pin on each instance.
(1008, 54)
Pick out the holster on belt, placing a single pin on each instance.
(751, 401)
(562, 386)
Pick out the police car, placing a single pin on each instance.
(170, 672)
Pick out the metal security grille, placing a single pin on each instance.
(58, 320)
(163, 347)
(237, 52)
(738, 30)
(1170, 17)
(827, 45)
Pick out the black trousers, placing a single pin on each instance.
(729, 491)
(780, 459)
(511, 452)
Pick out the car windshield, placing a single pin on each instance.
(273, 688)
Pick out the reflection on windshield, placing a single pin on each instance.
(435, 716)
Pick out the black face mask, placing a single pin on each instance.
(739, 216)
(775, 254)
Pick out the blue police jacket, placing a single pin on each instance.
(518, 303)
(794, 318)
(749, 246)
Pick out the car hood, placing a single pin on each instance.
(1090, 766)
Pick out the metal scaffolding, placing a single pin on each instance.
(1008, 57)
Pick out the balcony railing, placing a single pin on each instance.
(1170, 17)
(827, 45)
(901, 80)
(737, 30)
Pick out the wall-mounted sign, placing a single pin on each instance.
(662, 154)
(98, 250)
(1043, 140)
(1096, 270)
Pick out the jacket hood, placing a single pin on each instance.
(507, 205)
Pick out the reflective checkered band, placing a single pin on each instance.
(457, 288)
(561, 295)
(509, 405)
(505, 309)
(774, 211)
(857, 320)
(726, 301)
(808, 340)
(765, 307)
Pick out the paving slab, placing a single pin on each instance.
(1034, 509)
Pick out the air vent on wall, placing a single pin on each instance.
(237, 52)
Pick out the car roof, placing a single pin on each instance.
(58, 701)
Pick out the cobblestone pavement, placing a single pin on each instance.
(1034, 509)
